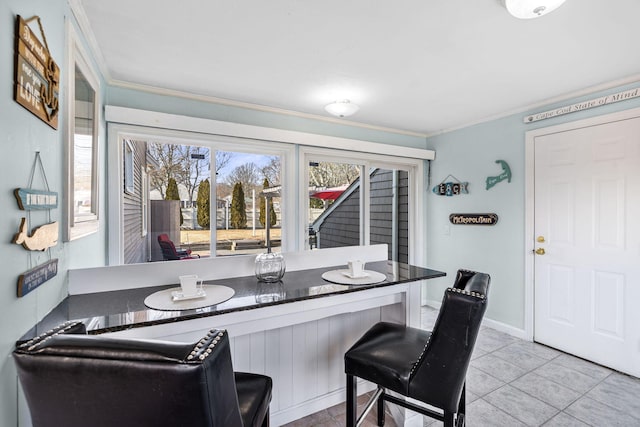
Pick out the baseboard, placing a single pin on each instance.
(490, 323)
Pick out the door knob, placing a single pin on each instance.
(540, 239)
(540, 251)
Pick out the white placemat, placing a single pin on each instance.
(342, 277)
(163, 300)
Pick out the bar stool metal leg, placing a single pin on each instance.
(448, 419)
(352, 399)
(460, 417)
(381, 409)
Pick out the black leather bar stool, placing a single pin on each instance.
(72, 379)
(426, 366)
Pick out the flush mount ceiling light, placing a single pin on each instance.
(342, 108)
(527, 9)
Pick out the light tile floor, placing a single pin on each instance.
(515, 383)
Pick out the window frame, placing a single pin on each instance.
(119, 133)
(366, 161)
(121, 119)
(77, 57)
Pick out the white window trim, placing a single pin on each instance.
(132, 116)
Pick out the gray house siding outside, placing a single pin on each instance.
(341, 226)
(135, 246)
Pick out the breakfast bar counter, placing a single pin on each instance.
(121, 310)
(296, 331)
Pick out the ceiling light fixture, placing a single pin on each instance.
(342, 108)
(527, 9)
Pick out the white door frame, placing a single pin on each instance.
(530, 201)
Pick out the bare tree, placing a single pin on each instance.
(272, 171)
(248, 175)
(187, 164)
(327, 174)
(222, 159)
(168, 158)
(196, 164)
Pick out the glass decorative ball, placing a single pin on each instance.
(270, 267)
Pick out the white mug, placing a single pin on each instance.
(189, 284)
(356, 268)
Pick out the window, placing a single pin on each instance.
(290, 196)
(205, 195)
(362, 199)
(81, 132)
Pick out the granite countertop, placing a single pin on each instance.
(124, 309)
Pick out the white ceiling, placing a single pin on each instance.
(414, 65)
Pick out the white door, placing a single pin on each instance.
(587, 222)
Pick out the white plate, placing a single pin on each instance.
(164, 300)
(179, 296)
(342, 277)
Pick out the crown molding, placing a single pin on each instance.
(635, 78)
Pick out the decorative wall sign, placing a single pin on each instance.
(29, 200)
(35, 277)
(585, 105)
(37, 75)
(451, 188)
(41, 238)
(506, 174)
(474, 219)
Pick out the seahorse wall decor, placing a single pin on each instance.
(41, 238)
(506, 174)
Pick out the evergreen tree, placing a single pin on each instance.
(173, 194)
(263, 207)
(238, 208)
(204, 205)
(172, 190)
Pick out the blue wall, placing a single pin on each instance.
(469, 155)
(22, 135)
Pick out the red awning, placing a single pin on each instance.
(329, 193)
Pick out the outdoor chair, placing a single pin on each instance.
(170, 252)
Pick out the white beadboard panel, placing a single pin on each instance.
(324, 358)
(305, 361)
(284, 370)
(335, 374)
